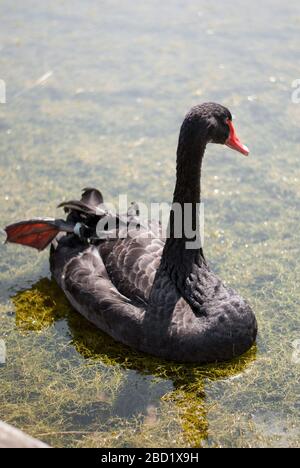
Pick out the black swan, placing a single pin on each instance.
(152, 294)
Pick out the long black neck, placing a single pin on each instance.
(186, 267)
(184, 216)
(190, 154)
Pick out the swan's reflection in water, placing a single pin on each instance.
(128, 390)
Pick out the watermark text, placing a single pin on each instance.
(2, 92)
(296, 92)
(158, 220)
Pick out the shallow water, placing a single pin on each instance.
(96, 91)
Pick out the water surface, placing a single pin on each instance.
(96, 91)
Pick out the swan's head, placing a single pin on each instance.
(214, 123)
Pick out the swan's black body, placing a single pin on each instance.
(155, 295)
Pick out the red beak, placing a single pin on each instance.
(234, 142)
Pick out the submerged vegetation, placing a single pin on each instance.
(81, 388)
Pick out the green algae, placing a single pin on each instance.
(89, 392)
(109, 116)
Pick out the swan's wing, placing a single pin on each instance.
(84, 279)
(133, 262)
(91, 203)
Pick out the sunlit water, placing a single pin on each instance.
(96, 91)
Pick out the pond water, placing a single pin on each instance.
(95, 94)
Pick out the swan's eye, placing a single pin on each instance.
(221, 131)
